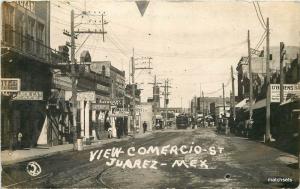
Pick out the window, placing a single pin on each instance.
(29, 35)
(39, 39)
(8, 27)
(19, 30)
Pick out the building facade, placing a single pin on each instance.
(25, 54)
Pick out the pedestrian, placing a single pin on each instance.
(109, 129)
(145, 126)
(118, 125)
(19, 142)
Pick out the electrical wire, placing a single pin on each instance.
(262, 24)
(87, 37)
(260, 13)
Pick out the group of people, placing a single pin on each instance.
(119, 128)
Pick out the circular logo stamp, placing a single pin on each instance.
(33, 168)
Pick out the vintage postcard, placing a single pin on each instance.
(165, 94)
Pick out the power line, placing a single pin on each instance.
(260, 13)
(118, 48)
(83, 43)
(263, 26)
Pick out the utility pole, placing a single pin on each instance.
(181, 104)
(200, 99)
(73, 36)
(74, 86)
(250, 78)
(224, 99)
(133, 91)
(233, 93)
(268, 96)
(282, 54)
(203, 108)
(134, 85)
(166, 100)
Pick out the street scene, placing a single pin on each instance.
(150, 94)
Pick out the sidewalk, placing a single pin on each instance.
(11, 157)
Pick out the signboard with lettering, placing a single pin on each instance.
(113, 102)
(29, 95)
(95, 106)
(87, 96)
(10, 84)
(62, 82)
(101, 87)
(29, 5)
(289, 91)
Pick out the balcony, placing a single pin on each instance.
(25, 44)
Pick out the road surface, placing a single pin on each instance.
(185, 159)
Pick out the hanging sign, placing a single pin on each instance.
(10, 84)
(29, 95)
(289, 91)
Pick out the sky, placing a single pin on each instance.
(192, 43)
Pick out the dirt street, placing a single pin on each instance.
(164, 159)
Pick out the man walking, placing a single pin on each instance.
(145, 126)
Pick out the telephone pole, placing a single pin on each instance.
(268, 100)
(133, 91)
(233, 94)
(250, 78)
(203, 108)
(224, 99)
(166, 100)
(134, 85)
(282, 54)
(74, 86)
(73, 35)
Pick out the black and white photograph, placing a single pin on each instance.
(150, 94)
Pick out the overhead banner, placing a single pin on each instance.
(290, 91)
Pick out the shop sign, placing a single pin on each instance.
(64, 82)
(95, 106)
(29, 5)
(29, 95)
(10, 84)
(289, 91)
(113, 102)
(101, 87)
(86, 96)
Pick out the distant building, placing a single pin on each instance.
(204, 103)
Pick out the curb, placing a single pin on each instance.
(85, 147)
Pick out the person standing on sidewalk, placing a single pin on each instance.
(145, 126)
(19, 142)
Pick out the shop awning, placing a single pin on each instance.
(242, 104)
(259, 104)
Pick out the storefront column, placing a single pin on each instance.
(87, 120)
(81, 118)
(128, 123)
(94, 121)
